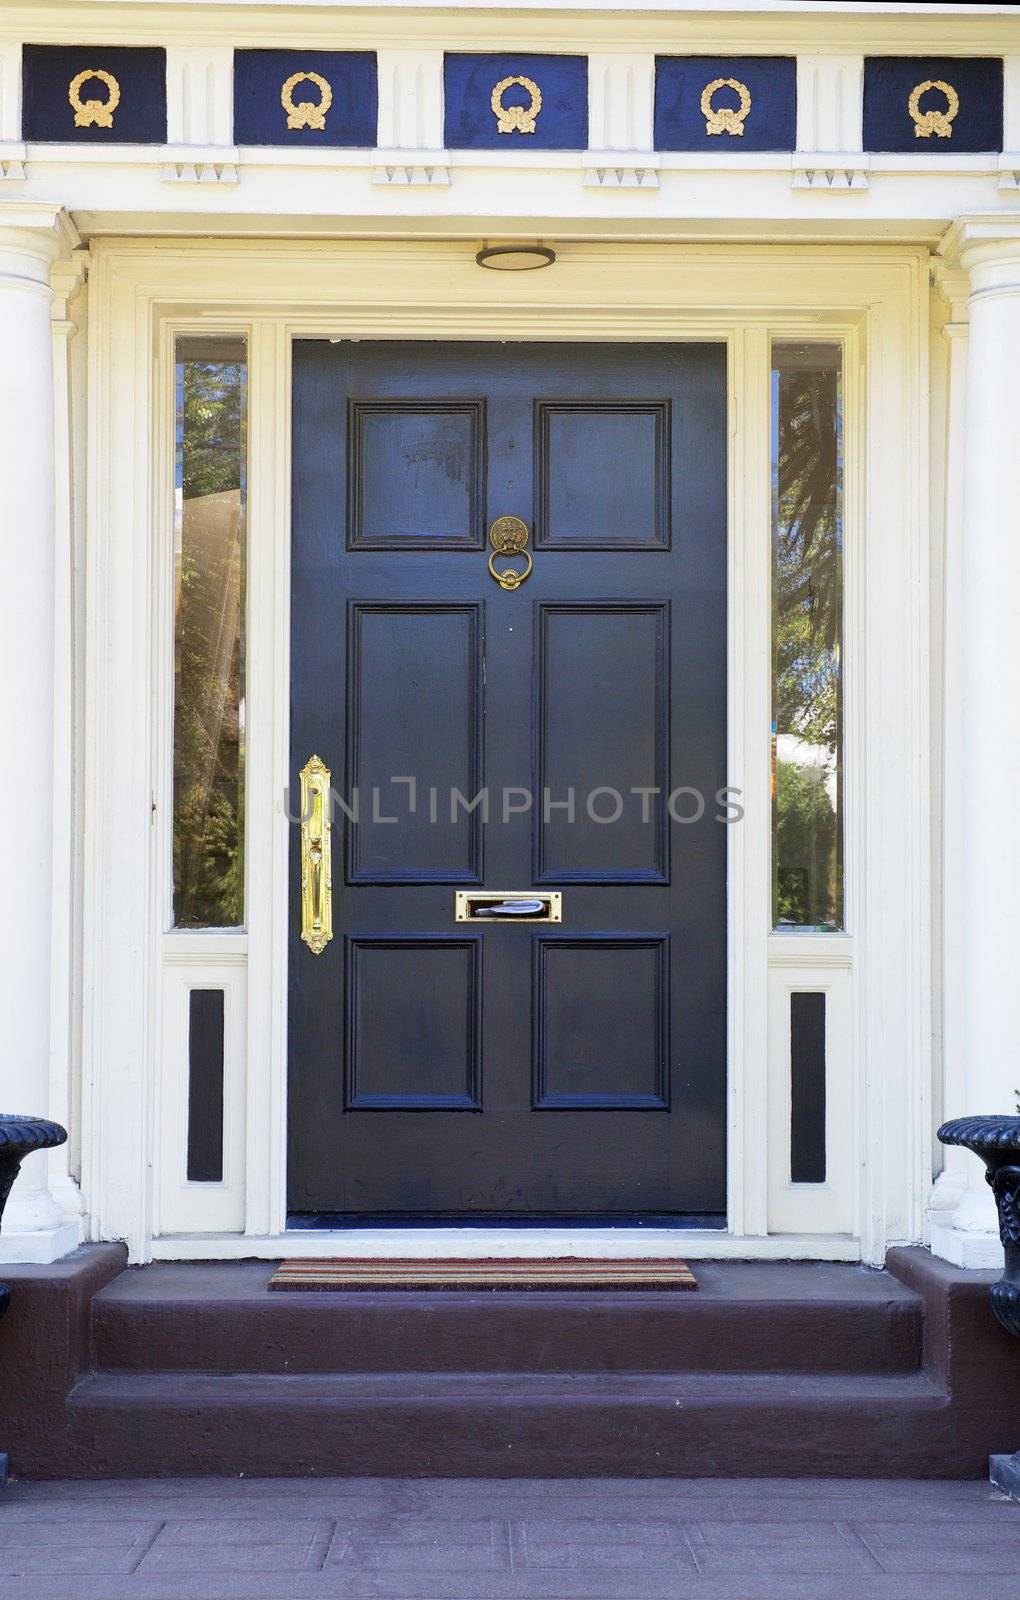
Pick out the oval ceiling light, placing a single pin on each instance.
(515, 257)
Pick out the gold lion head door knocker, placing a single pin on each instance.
(94, 113)
(516, 119)
(937, 121)
(725, 119)
(306, 113)
(509, 537)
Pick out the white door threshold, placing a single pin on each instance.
(599, 1244)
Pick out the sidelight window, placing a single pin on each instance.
(209, 643)
(807, 637)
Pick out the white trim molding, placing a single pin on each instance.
(874, 300)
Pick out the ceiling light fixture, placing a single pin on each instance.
(515, 257)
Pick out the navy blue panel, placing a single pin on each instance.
(48, 71)
(471, 123)
(889, 81)
(205, 1085)
(261, 118)
(770, 124)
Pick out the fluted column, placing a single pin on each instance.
(31, 238)
(983, 909)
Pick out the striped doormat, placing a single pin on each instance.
(513, 1273)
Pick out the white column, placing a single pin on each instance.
(987, 651)
(31, 238)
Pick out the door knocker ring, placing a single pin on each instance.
(509, 537)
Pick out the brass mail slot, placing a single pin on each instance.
(513, 905)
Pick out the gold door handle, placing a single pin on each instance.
(508, 536)
(316, 858)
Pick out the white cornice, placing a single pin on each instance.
(573, 25)
(815, 8)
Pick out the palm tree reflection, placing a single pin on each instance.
(807, 634)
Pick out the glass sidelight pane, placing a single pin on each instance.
(807, 636)
(209, 552)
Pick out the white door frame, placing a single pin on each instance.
(877, 976)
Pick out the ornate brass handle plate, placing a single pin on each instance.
(509, 537)
(316, 861)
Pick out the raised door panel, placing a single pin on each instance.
(416, 477)
(414, 1023)
(602, 742)
(601, 1036)
(602, 474)
(414, 728)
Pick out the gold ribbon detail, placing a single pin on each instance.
(725, 119)
(938, 122)
(307, 113)
(97, 113)
(516, 119)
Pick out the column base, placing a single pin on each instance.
(39, 1246)
(966, 1247)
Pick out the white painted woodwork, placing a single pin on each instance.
(139, 295)
(201, 961)
(829, 1207)
(67, 281)
(12, 150)
(985, 1076)
(278, 242)
(31, 239)
(830, 91)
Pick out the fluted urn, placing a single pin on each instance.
(997, 1141)
(19, 1137)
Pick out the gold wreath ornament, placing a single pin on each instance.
(938, 122)
(725, 119)
(516, 119)
(97, 113)
(307, 113)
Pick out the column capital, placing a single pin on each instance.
(38, 232)
(985, 245)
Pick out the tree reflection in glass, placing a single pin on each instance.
(209, 529)
(807, 636)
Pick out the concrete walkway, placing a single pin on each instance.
(715, 1539)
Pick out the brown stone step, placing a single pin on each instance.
(511, 1424)
(762, 1317)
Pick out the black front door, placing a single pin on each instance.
(567, 736)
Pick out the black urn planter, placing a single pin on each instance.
(997, 1141)
(19, 1137)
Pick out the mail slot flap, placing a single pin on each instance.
(513, 905)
